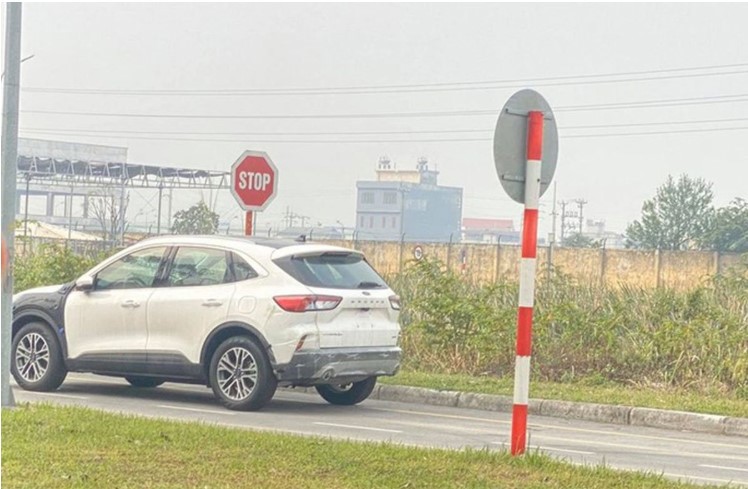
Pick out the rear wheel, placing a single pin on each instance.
(37, 363)
(145, 382)
(347, 394)
(241, 375)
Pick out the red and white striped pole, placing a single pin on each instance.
(527, 282)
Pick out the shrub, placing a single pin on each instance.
(49, 265)
(581, 331)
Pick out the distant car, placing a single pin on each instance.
(240, 315)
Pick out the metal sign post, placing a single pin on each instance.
(248, 223)
(11, 89)
(525, 153)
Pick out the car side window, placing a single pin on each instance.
(198, 266)
(134, 271)
(241, 269)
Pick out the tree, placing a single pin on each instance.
(677, 218)
(578, 240)
(730, 230)
(198, 219)
(109, 209)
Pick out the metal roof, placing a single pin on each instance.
(53, 171)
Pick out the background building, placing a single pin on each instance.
(476, 230)
(407, 204)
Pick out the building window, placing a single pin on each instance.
(394, 222)
(362, 221)
(371, 221)
(384, 222)
(390, 198)
(367, 197)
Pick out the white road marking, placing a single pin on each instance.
(554, 449)
(686, 477)
(194, 410)
(54, 394)
(542, 447)
(353, 427)
(724, 467)
(642, 448)
(566, 428)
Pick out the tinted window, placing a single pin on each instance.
(134, 271)
(198, 266)
(241, 269)
(332, 270)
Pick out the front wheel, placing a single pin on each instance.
(36, 358)
(241, 375)
(347, 394)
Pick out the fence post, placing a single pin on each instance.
(402, 245)
(603, 263)
(449, 252)
(716, 263)
(658, 266)
(497, 263)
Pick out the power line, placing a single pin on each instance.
(448, 113)
(361, 133)
(349, 141)
(409, 88)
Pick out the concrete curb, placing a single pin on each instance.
(603, 413)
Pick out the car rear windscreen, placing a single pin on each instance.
(335, 270)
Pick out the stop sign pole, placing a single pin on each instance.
(254, 183)
(525, 153)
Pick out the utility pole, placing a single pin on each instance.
(563, 221)
(581, 203)
(11, 99)
(553, 214)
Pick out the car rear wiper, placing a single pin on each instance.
(369, 285)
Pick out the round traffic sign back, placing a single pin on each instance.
(510, 143)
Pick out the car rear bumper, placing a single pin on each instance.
(339, 365)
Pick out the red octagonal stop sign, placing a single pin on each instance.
(254, 180)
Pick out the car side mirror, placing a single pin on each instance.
(85, 283)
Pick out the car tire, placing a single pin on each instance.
(240, 374)
(144, 382)
(347, 394)
(36, 358)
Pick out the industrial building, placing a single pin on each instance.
(407, 205)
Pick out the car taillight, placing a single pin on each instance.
(305, 303)
(395, 302)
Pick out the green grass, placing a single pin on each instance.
(59, 447)
(595, 391)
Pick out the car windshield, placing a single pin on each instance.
(337, 270)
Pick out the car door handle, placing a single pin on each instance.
(130, 303)
(212, 303)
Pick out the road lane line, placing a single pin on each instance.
(679, 453)
(724, 467)
(686, 477)
(53, 394)
(194, 410)
(542, 447)
(353, 427)
(554, 449)
(566, 428)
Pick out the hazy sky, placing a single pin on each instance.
(668, 53)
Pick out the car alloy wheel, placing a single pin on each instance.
(32, 357)
(237, 373)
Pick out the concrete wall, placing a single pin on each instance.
(681, 270)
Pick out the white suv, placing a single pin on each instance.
(238, 314)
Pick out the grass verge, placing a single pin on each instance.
(45, 446)
(594, 391)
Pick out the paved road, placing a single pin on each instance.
(697, 457)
